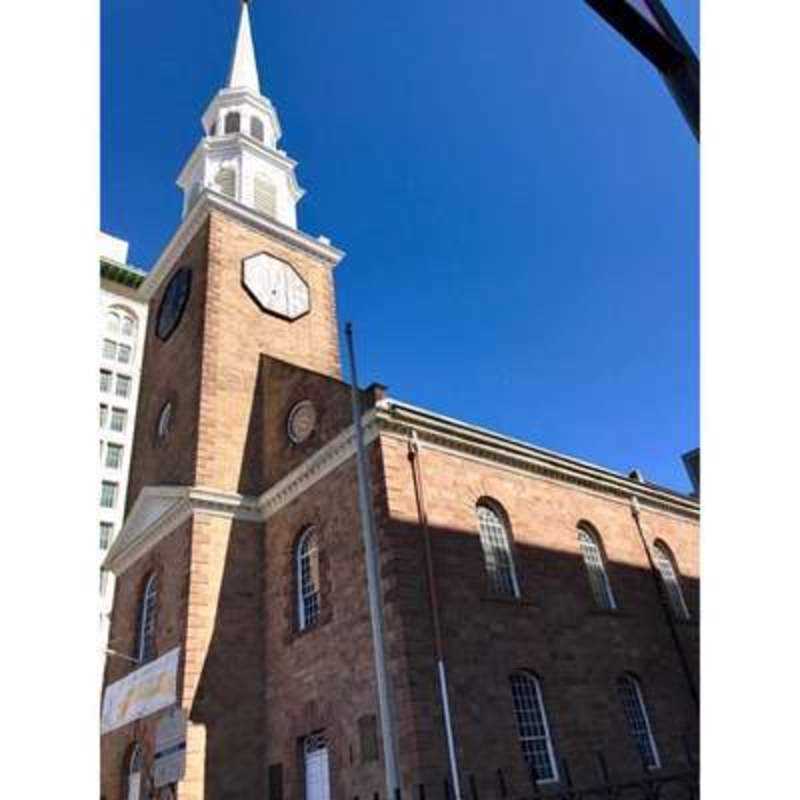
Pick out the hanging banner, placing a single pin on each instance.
(145, 691)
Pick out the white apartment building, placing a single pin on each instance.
(122, 325)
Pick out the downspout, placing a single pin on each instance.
(416, 471)
(636, 513)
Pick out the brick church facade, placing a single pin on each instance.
(566, 595)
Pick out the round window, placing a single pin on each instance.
(302, 421)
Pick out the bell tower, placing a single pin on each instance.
(238, 156)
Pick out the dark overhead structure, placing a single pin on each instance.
(648, 26)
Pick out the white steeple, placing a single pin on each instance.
(239, 157)
(244, 71)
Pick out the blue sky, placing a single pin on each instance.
(514, 187)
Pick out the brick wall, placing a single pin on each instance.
(555, 630)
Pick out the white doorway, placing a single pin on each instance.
(317, 777)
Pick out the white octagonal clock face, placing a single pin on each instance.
(275, 286)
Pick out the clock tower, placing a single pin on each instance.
(237, 280)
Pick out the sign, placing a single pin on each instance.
(145, 691)
(169, 764)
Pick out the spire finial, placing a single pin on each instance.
(244, 72)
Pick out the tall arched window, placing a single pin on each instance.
(630, 693)
(146, 636)
(233, 122)
(135, 774)
(533, 727)
(497, 550)
(595, 566)
(308, 590)
(665, 564)
(257, 128)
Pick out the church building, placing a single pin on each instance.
(523, 611)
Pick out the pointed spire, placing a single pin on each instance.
(244, 72)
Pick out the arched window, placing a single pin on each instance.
(112, 322)
(533, 727)
(264, 195)
(630, 693)
(308, 589)
(135, 774)
(497, 551)
(128, 326)
(233, 122)
(146, 638)
(595, 566)
(257, 128)
(665, 564)
(226, 180)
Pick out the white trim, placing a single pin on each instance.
(210, 200)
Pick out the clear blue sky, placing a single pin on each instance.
(514, 187)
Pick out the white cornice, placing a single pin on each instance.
(316, 467)
(210, 200)
(159, 510)
(445, 433)
(231, 144)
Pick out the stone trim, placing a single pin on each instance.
(159, 510)
(209, 201)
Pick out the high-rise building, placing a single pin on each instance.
(123, 321)
(520, 610)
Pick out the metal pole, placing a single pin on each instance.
(416, 472)
(385, 704)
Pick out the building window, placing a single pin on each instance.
(595, 567)
(112, 322)
(308, 594)
(257, 128)
(123, 386)
(534, 730)
(106, 532)
(124, 353)
(135, 770)
(232, 122)
(226, 181)
(128, 326)
(638, 720)
(109, 349)
(497, 551)
(665, 564)
(105, 380)
(146, 640)
(114, 456)
(103, 415)
(103, 581)
(108, 494)
(119, 419)
(164, 421)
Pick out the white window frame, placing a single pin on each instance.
(119, 451)
(107, 378)
(123, 380)
(303, 554)
(496, 545)
(667, 569)
(147, 613)
(636, 731)
(534, 691)
(115, 493)
(135, 772)
(596, 568)
(122, 414)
